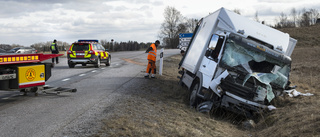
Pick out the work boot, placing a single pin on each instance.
(153, 76)
(146, 75)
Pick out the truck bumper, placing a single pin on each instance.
(83, 60)
(239, 105)
(26, 75)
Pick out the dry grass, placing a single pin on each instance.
(298, 116)
(162, 110)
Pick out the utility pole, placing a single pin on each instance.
(112, 44)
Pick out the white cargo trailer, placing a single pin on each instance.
(236, 63)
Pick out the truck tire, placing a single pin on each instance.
(193, 98)
(97, 65)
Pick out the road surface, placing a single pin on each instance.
(51, 115)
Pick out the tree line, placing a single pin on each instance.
(42, 47)
(302, 18)
(174, 23)
(111, 46)
(124, 46)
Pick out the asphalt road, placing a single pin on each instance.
(49, 115)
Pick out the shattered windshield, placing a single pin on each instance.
(242, 56)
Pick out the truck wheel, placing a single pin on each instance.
(108, 61)
(97, 65)
(71, 65)
(194, 99)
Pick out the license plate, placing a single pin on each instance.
(7, 76)
(81, 54)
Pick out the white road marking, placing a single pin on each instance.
(103, 68)
(94, 71)
(82, 75)
(10, 97)
(66, 79)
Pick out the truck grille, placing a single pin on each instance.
(234, 86)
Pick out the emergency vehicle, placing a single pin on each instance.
(88, 52)
(26, 72)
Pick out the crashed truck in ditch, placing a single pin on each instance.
(236, 64)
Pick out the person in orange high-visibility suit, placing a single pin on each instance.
(152, 56)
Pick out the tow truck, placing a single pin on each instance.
(27, 73)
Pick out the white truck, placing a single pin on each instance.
(236, 64)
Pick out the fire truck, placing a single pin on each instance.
(27, 72)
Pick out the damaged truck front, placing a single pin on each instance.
(236, 64)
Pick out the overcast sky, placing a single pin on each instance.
(26, 22)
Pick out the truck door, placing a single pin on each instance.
(210, 60)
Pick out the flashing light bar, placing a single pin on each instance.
(25, 58)
(88, 40)
(19, 58)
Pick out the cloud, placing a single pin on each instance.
(30, 21)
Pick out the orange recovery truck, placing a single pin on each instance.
(27, 72)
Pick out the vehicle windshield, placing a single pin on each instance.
(243, 57)
(14, 49)
(80, 47)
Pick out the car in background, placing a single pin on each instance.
(2, 51)
(23, 50)
(88, 52)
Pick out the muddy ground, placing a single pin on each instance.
(162, 109)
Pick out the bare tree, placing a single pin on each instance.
(169, 28)
(5, 46)
(294, 16)
(305, 19)
(191, 25)
(314, 15)
(256, 18)
(237, 11)
(283, 19)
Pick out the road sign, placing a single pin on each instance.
(184, 39)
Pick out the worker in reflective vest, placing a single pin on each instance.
(152, 56)
(54, 50)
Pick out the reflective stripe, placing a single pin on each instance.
(152, 54)
(53, 47)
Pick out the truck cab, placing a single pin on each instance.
(241, 68)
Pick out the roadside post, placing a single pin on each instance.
(161, 62)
